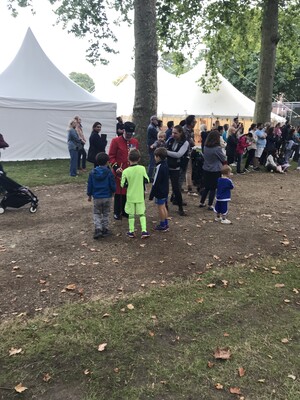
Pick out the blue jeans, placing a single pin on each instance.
(73, 162)
(151, 165)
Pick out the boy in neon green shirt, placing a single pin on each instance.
(134, 178)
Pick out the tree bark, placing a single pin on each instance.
(265, 80)
(146, 56)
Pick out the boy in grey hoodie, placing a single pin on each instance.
(101, 186)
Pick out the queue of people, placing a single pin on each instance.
(173, 158)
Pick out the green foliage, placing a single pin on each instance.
(83, 80)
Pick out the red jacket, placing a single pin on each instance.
(118, 157)
(242, 144)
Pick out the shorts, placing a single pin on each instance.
(160, 201)
(259, 151)
(221, 207)
(135, 208)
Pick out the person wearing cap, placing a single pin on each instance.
(151, 138)
(118, 158)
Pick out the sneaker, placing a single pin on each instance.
(106, 232)
(160, 228)
(256, 169)
(210, 208)
(246, 170)
(225, 221)
(182, 213)
(233, 164)
(218, 219)
(131, 235)
(97, 234)
(298, 168)
(145, 235)
(202, 205)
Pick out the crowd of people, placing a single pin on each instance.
(174, 158)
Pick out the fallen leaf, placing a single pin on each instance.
(279, 285)
(210, 364)
(71, 286)
(226, 334)
(285, 242)
(275, 272)
(200, 300)
(102, 346)
(116, 370)
(115, 260)
(225, 283)
(211, 285)
(86, 372)
(219, 386)
(20, 388)
(163, 382)
(189, 244)
(130, 306)
(285, 340)
(42, 281)
(235, 390)
(142, 245)
(242, 371)
(222, 353)
(296, 291)
(287, 300)
(105, 315)
(216, 257)
(292, 377)
(261, 380)
(46, 378)
(151, 333)
(13, 351)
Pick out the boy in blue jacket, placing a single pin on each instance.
(224, 188)
(101, 186)
(160, 188)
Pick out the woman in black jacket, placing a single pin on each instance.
(232, 142)
(97, 143)
(177, 147)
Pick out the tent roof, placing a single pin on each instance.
(31, 75)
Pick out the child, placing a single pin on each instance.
(271, 163)
(160, 188)
(134, 178)
(160, 142)
(101, 185)
(225, 185)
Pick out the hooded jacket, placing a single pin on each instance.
(101, 183)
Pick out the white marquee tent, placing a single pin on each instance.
(37, 102)
(180, 96)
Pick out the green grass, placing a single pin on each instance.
(43, 172)
(160, 349)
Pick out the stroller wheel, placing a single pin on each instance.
(33, 209)
(1, 210)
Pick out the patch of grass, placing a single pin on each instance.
(160, 349)
(43, 172)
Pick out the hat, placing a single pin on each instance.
(153, 117)
(129, 127)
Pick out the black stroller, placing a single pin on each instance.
(15, 195)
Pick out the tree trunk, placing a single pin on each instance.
(145, 101)
(265, 80)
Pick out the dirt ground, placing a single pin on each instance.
(42, 254)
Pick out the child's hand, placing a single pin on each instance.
(89, 198)
(119, 171)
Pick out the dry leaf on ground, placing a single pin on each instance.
(20, 388)
(222, 353)
(235, 390)
(210, 364)
(130, 306)
(71, 286)
(13, 351)
(46, 378)
(242, 371)
(219, 386)
(102, 347)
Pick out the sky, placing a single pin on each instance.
(65, 50)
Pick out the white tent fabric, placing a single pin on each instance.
(180, 96)
(37, 102)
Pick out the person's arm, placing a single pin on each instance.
(178, 154)
(219, 153)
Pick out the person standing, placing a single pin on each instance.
(118, 158)
(177, 148)
(98, 143)
(170, 125)
(81, 152)
(74, 144)
(134, 179)
(160, 188)
(214, 158)
(101, 186)
(260, 144)
(186, 168)
(119, 127)
(224, 188)
(152, 131)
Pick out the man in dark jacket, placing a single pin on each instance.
(151, 138)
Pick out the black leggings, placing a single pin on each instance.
(211, 197)
(251, 154)
(174, 177)
(210, 186)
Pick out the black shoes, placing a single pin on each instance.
(98, 234)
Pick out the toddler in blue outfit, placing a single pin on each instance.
(224, 188)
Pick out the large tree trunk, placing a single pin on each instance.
(265, 80)
(145, 102)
